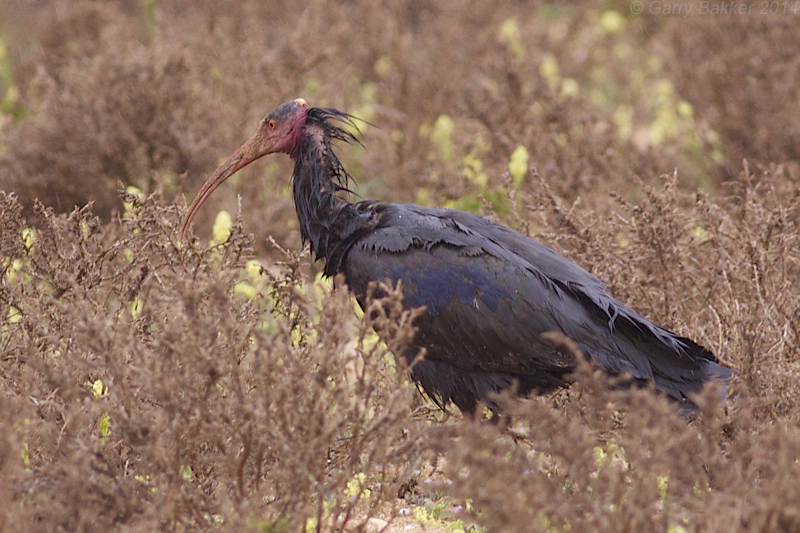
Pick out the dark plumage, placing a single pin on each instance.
(489, 292)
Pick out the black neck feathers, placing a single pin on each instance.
(327, 221)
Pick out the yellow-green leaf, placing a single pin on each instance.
(518, 165)
(223, 225)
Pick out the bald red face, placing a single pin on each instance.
(279, 131)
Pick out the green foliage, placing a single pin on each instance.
(149, 17)
(221, 230)
(518, 165)
(511, 36)
(612, 21)
(104, 426)
(548, 68)
(25, 454)
(9, 92)
(442, 137)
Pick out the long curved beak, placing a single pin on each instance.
(249, 152)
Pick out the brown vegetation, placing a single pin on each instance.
(152, 384)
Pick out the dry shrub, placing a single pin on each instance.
(625, 461)
(155, 97)
(147, 394)
(740, 73)
(99, 119)
(244, 400)
(593, 459)
(721, 271)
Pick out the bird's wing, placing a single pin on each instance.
(490, 293)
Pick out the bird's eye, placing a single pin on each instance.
(272, 124)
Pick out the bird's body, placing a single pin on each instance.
(488, 292)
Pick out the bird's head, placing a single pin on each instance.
(279, 131)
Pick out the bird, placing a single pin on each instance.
(490, 295)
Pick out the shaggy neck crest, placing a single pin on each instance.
(318, 177)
